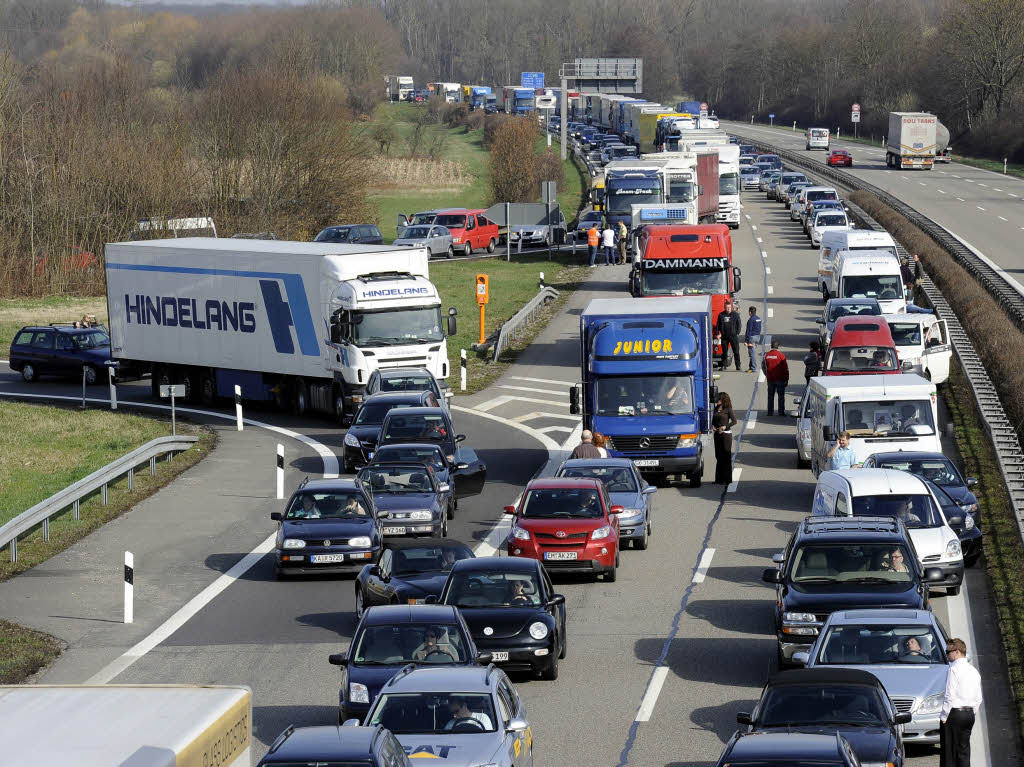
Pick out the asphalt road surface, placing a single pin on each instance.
(658, 663)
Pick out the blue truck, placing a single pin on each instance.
(647, 381)
(626, 187)
(689, 107)
(478, 96)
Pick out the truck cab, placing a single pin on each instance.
(627, 187)
(646, 381)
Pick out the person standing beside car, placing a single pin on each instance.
(776, 372)
(623, 238)
(751, 337)
(959, 705)
(728, 327)
(593, 238)
(722, 421)
(608, 243)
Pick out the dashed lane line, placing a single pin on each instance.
(734, 485)
(961, 199)
(979, 207)
(651, 696)
(767, 270)
(764, 254)
(771, 313)
(703, 566)
(752, 419)
(940, 191)
(771, 290)
(1001, 218)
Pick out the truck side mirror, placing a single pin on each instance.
(827, 434)
(700, 190)
(574, 400)
(736, 279)
(452, 323)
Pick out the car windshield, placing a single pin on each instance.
(427, 558)
(644, 395)
(620, 200)
(916, 511)
(396, 479)
(941, 471)
(867, 359)
(451, 221)
(822, 194)
(905, 333)
(562, 503)
(372, 413)
(433, 712)
(333, 234)
(91, 340)
(407, 383)
(797, 705)
(692, 282)
(480, 589)
(396, 327)
(884, 286)
(888, 417)
(830, 219)
(835, 311)
(409, 643)
(328, 505)
(876, 644)
(616, 479)
(416, 232)
(851, 563)
(428, 454)
(411, 428)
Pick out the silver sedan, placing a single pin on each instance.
(436, 239)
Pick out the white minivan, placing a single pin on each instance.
(922, 343)
(851, 239)
(869, 274)
(900, 494)
(883, 413)
(817, 138)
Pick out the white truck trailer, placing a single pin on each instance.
(400, 88)
(136, 725)
(303, 324)
(910, 142)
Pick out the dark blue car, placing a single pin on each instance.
(934, 467)
(336, 745)
(389, 638)
(60, 350)
(791, 749)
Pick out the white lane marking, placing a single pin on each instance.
(771, 313)
(497, 401)
(573, 438)
(767, 270)
(760, 377)
(1002, 273)
(1011, 194)
(759, 239)
(764, 254)
(330, 460)
(6, 362)
(549, 429)
(703, 565)
(968, 181)
(979, 207)
(922, 183)
(961, 199)
(752, 419)
(942, 172)
(940, 191)
(747, 215)
(996, 190)
(542, 414)
(531, 388)
(984, 185)
(1002, 219)
(771, 290)
(543, 380)
(651, 696)
(961, 624)
(182, 616)
(753, 227)
(906, 177)
(955, 176)
(545, 440)
(735, 481)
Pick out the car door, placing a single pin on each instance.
(468, 472)
(472, 233)
(378, 589)
(22, 351)
(44, 352)
(558, 611)
(64, 360)
(937, 352)
(519, 744)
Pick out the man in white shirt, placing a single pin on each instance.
(959, 705)
(608, 244)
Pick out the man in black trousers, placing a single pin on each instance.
(959, 705)
(728, 325)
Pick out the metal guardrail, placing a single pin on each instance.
(72, 495)
(514, 325)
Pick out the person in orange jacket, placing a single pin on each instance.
(593, 238)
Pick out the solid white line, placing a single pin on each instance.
(651, 696)
(543, 380)
(771, 313)
(6, 362)
(771, 290)
(533, 389)
(735, 481)
(483, 407)
(548, 429)
(504, 398)
(542, 414)
(574, 438)
(703, 565)
(1002, 219)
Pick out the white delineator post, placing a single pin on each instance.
(113, 388)
(129, 587)
(238, 406)
(462, 369)
(280, 471)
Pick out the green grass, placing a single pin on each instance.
(15, 313)
(23, 652)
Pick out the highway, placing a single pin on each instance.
(659, 662)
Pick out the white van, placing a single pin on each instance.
(883, 413)
(900, 494)
(869, 274)
(922, 343)
(852, 239)
(817, 138)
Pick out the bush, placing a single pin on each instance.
(491, 125)
(512, 161)
(475, 120)
(548, 167)
(364, 98)
(455, 115)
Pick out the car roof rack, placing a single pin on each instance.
(303, 483)
(868, 524)
(281, 738)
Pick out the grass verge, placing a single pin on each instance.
(24, 651)
(55, 447)
(15, 313)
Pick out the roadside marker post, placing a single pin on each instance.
(111, 373)
(129, 587)
(172, 391)
(280, 471)
(83, 386)
(462, 365)
(238, 406)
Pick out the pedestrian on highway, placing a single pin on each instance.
(751, 337)
(586, 448)
(593, 238)
(776, 372)
(842, 456)
(608, 243)
(623, 240)
(959, 705)
(722, 421)
(728, 327)
(601, 443)
(812, 362)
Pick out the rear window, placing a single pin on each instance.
(24, 338)
(822, 195)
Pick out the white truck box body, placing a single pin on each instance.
(126, 725)
(910, 142)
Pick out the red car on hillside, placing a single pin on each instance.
(569, 525)
(840, 157)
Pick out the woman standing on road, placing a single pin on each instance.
(601, 443)
(722, 422)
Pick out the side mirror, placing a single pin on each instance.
(971, 481)
(452, 324)
(483, 658)
(375, 571)
(616, 510)
(904, 718)
(772, 575)
(819, 321)
(932, 574)
(460, 437)
(827, 434)
(430, 599)
(556, 599)
(649, 490)
(382, 514)
(338, 659)
(743, 718)
(352, 723)
(801, 658)
(517, 725)
(444, 487)
(955, 521)
(574, 400)
(778, 558)
(510, 509)
(276, 516)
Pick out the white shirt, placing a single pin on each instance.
(608, 238)
(480, 717)
(963, 687)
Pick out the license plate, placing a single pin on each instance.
(394, 531)
(323, 559)
(646, 462)
(551, 555)
(499, 656)
(370, 454)
(418, 601)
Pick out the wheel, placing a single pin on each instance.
(91, 374)
(161, 376)
(971, 562)
(450, 253)
(299, 401)
(617, 552)
(952, 591)
(491, 245)
(697, 478)
(207, 389)
(188, 378)
(28, 373)
(611, 575)
(339, 406)
(279, 573)
(641, 543)
(550, 672)
(565, 644)
(360, 606)
(451, 510)
(444, 526)
(467, 250)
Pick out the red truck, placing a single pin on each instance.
(686, 261)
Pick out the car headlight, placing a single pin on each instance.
(538, 630)
(931, 705)
(687, 440)
(520, 534)
(805, 435)
(294, 543)
(970, 508)
(953, 548)
(629, 514)
(351, 440)
(357, 693)
(798, 617)
(362, 540)
(968, 522)
(420, 515)
(601, 532)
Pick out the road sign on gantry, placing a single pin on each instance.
(532, 80)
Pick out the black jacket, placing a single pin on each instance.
(728, 324)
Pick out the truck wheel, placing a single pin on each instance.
(491, 245)
(450, 253)
(339, 406)
(161, 376)
(467, 250)
(697, 478)
(299, 395)
(188, 378)
(207, 388)
(28, 373)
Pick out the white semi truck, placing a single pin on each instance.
(400, 88)
(136, 725)
(302, 324)
(910, 142)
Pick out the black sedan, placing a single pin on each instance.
(329, 526)
(934, 467)
(512, 611)
(361, 439)
(409, 498)
(850, 702)
(408, 572)
(465, 478)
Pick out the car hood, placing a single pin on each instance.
(627, 500)
(561, 524)
(931, 541)
(451, 749)
(871, 744)
(961, 495)
(326, 529)
(505, 621)
(910, 680)
(847, 596)
(419, 585)
(403, 501)
(366, 433)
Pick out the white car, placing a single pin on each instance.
(922, 343)
(827, 221)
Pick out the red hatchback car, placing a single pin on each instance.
(567, 524)
(840, 157)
